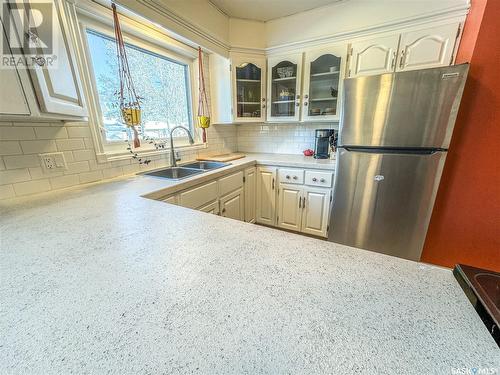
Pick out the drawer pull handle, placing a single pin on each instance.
(315, 179)
(295, 177)
(322, 180)
(287, 177)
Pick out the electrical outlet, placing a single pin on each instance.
(53, 161)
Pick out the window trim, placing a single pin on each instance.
(144, 37)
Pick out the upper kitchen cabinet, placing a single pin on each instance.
(283, 87)
(323, 74)
(411, 50)
(54, 82)
(248, 77)
(374, 56)
(428, 48)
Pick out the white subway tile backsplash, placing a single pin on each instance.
(31, 187)
(39, 173)
(79, 132)
(13, 176)
(64, 181)
(79, 155)
(14, 133)
(21, 161)
(51, 132)
(38, 147)
(77, 167)
(10, 148)
(90, 176)
(7, 191)
(70, 144)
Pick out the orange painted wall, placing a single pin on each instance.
(465, 225)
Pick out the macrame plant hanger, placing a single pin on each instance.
(203, 108)
(129, 101)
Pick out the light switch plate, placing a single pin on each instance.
(53, 161)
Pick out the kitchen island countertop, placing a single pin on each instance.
(99, 279)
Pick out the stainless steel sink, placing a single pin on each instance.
(174, 173)
(206, 165)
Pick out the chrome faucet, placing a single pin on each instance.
(173, 159)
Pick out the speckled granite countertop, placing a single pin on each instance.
(98, 279)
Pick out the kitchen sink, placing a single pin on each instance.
(206, 165)
(174, 173)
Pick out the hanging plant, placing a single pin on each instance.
(203, 108)
(128, 100)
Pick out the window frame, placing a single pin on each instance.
(140, 36)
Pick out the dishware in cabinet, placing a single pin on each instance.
(284, 87)
(323, 74)
(248, 76)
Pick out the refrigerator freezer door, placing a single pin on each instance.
(383, 201)
(407, 109)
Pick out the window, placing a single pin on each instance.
(162, 83)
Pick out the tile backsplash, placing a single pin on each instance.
(21, 172)
(278, 138)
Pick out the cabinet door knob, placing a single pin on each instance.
(322, 180)
(287, 176)
(297, 104)
(223, 210)
(295, 177)
(315, 179)
(305, 104)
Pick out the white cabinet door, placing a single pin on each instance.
(211, 208)
(427, 48)
(266, 195)
(289, 207)
(56, 82)
(199, 196)
(249, 94)
(374, 56)
(315, 211)
(323, 74)
(173, 199)
(250, 193)
(233, 205)
(284, 75)
(12, 96)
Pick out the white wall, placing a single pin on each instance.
(247, 33)
(349, 16)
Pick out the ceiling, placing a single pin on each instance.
(265, 10)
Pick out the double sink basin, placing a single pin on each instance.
(186, 170)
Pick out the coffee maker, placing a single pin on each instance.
(325, 139)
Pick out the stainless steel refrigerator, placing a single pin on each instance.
(394, 134)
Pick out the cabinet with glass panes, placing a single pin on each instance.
(323, 74)
(284, 87)
(248, 88)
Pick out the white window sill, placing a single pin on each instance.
(114, 155)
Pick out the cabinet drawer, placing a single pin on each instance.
(230, 183)
(315, 178)
(199, 196)
(291, 176)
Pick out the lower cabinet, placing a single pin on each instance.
(232, 205)
(303, 209)
(250, 182)
(211, 208)
(289, 198)
(289, 207)
(266, 195)
(315, 210)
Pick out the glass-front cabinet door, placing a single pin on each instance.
(323, 74)
(249, 103)
(283, 88)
